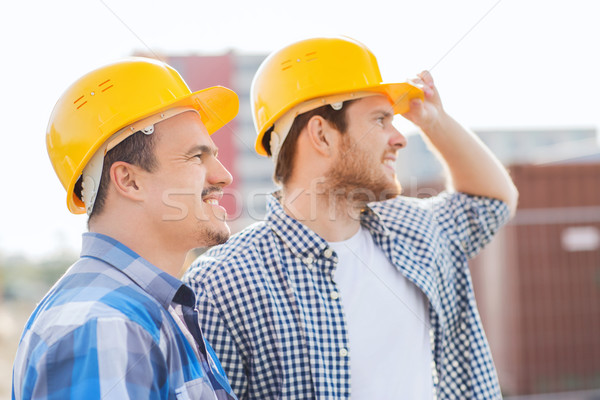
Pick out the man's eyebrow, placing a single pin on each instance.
(203, 149)
(384, 112)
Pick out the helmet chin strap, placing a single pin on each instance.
(280, 130)
(92, 173)
(91, 180)
(284, 124)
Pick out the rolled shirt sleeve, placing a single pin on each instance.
(469, 221)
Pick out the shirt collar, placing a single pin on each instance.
(301, 240)
(298, 238)
(371, 220)
(154, 281)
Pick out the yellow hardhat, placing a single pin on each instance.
(111, 99)
(317, 69)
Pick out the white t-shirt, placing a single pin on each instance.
(388, 324)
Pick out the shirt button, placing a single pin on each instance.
(308, 260)
(328, 253)
(335, 295)
(343, 352)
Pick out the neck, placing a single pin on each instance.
(132, 234)
(329, 214)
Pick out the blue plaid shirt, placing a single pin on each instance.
(104, 331)
(266, 304)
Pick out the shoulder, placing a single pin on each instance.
(439, 207)
(240, 242)
(82, 328)
(233, 259)
(406, 209)
(420, 219)
(93, 313)
(93, 291)
(84, 356)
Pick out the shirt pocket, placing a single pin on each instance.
(196, 389)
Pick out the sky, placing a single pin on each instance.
(497, 64)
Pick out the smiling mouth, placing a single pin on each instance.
(389, 162)
(212, 195)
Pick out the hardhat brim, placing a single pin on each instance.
(400, 96)
(216, 105)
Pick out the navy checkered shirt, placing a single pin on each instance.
(265, 304)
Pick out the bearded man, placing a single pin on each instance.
(348, 289)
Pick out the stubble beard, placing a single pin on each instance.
(210, 236)
(357, 178)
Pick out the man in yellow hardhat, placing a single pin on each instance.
(349, 290)
(131, 145)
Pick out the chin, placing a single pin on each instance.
(214, 237)
(388, 192)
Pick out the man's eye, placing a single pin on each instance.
(380, 121)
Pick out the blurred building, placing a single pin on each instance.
(418, 166)
(538, 283)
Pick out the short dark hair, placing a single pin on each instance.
(285, 159)
(137, 149)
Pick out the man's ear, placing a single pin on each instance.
(126, 180)
(321, 135)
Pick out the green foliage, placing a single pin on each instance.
(23, 278)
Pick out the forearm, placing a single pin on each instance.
(471, 166)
